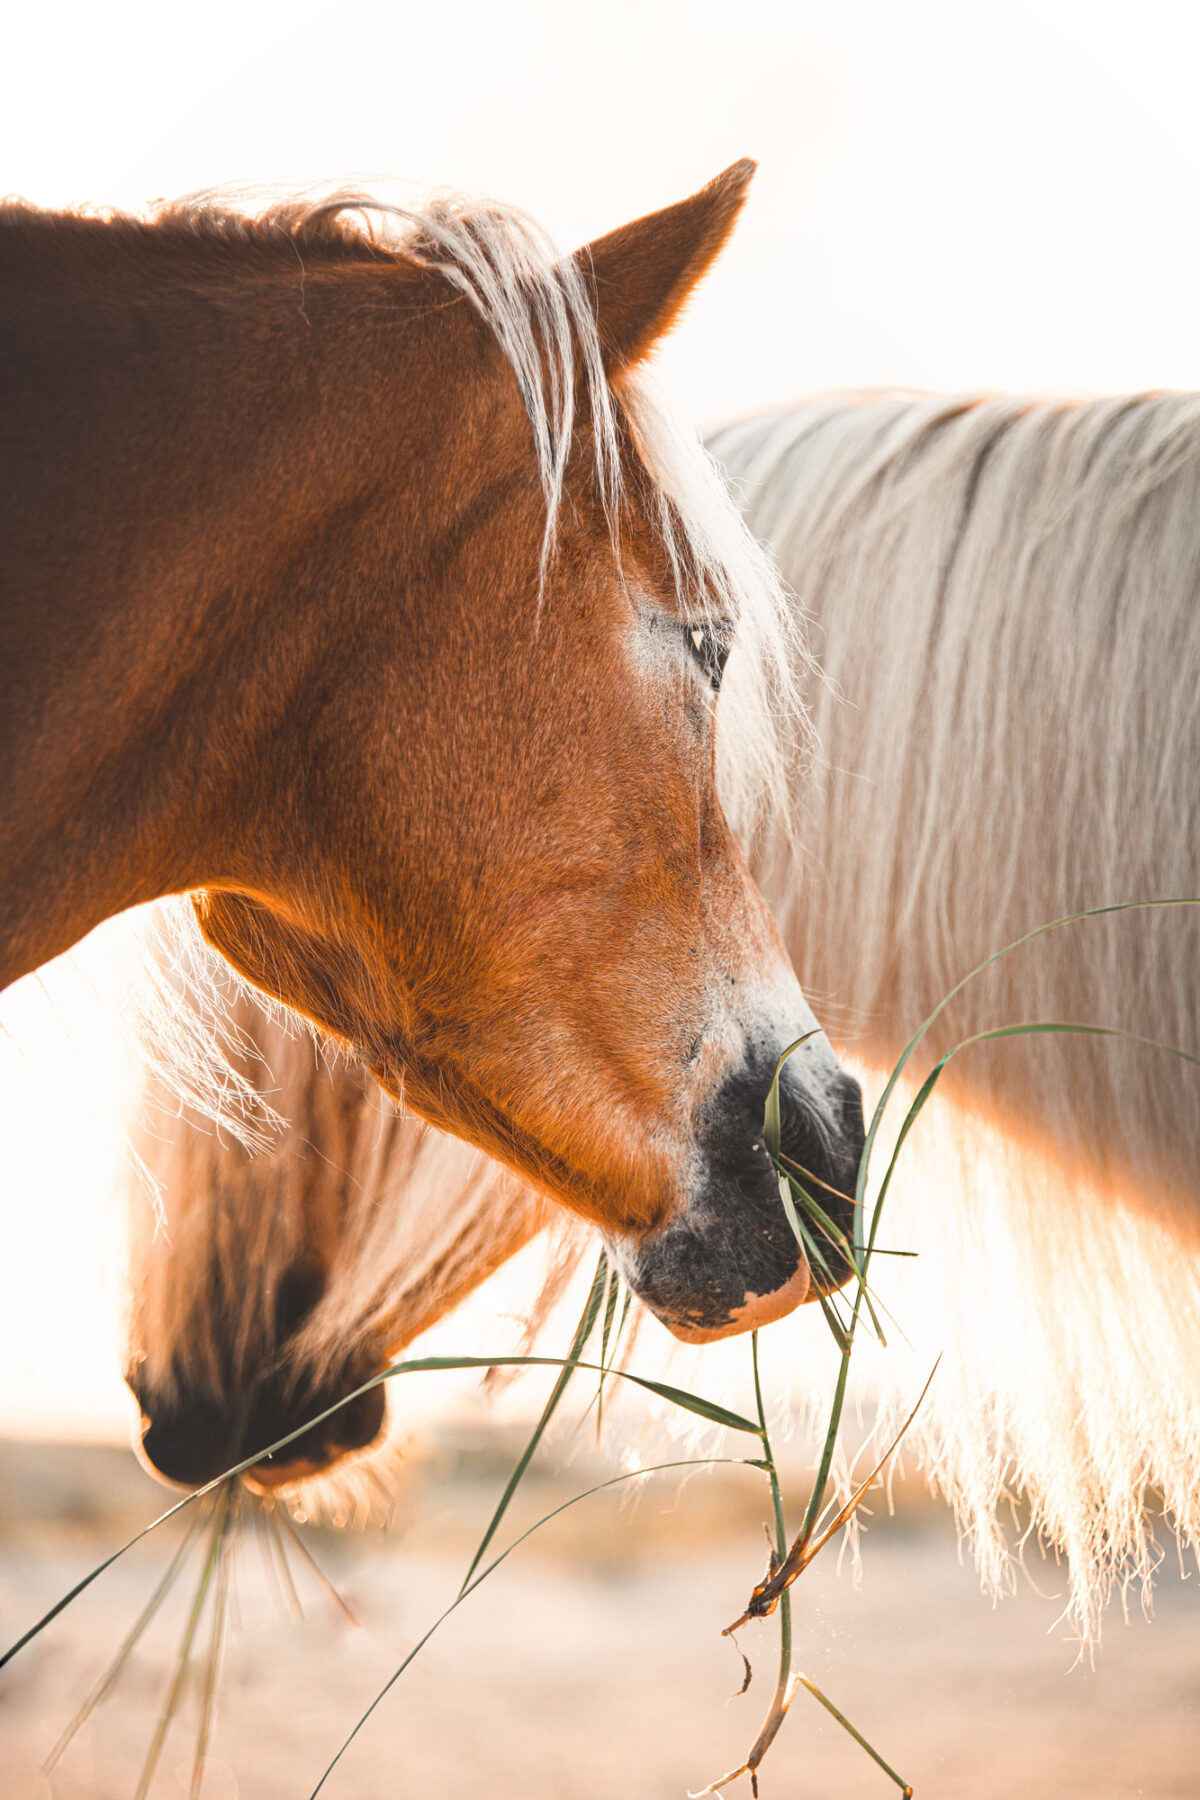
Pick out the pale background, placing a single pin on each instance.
(948, 196)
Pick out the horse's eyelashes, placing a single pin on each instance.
(710, 645)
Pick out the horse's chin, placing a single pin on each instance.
(264, 1478)
(755, 1311)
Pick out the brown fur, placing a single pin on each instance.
(267, 499)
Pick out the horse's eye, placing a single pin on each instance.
(710, 645)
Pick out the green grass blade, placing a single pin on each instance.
(816, 1499)
(112, 1674)
(610, 1313)
(815, 1258)
(582, 1332)
(838, 1236)
(781, 1539)
(212, 1672)
(691, 1462)
(606, 1336)
(771, 1120)
(288, 1534)
(175, 1694)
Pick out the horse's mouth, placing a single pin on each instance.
(730, 1260)
(756, 1310)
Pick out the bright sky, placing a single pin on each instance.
(949, 196)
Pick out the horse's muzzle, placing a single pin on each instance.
(192, 1439)
(729, 1261)
(195, 1430)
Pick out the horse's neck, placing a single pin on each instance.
(166, 465)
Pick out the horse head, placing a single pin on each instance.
(271, 1279)
(485, 846)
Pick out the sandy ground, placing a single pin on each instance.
(589, 1666)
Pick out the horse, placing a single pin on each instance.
(281, 1255)
(357, 584)
(1000, 591)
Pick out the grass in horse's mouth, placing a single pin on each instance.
(607, 1310)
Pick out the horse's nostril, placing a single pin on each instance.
(188, 1444)
(297, 1293)
(193, 1439)
(352, 1427)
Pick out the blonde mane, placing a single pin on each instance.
(401, 1220)
(1003, 596)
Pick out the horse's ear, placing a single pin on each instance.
(643, 273)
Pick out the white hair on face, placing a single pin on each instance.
(1004, 602)
(763, 733)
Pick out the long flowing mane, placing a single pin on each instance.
(1003, 594)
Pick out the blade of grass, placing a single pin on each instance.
(816, 1259)
(772, 1126)
(582, 1332)
(838, 1236)
(265, 1530)
(858, 1737)
(607, 1360)
(112, 1674)
(610, 1313)
(212, 1672)
(792, 1191)
(781, 1539)
(781, 1696)
(281, 1568)
(692, 1462)
(288, 1531)
(175, 1694)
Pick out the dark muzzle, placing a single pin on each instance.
(730, 1261)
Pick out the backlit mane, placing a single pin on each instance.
(1004, 596)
